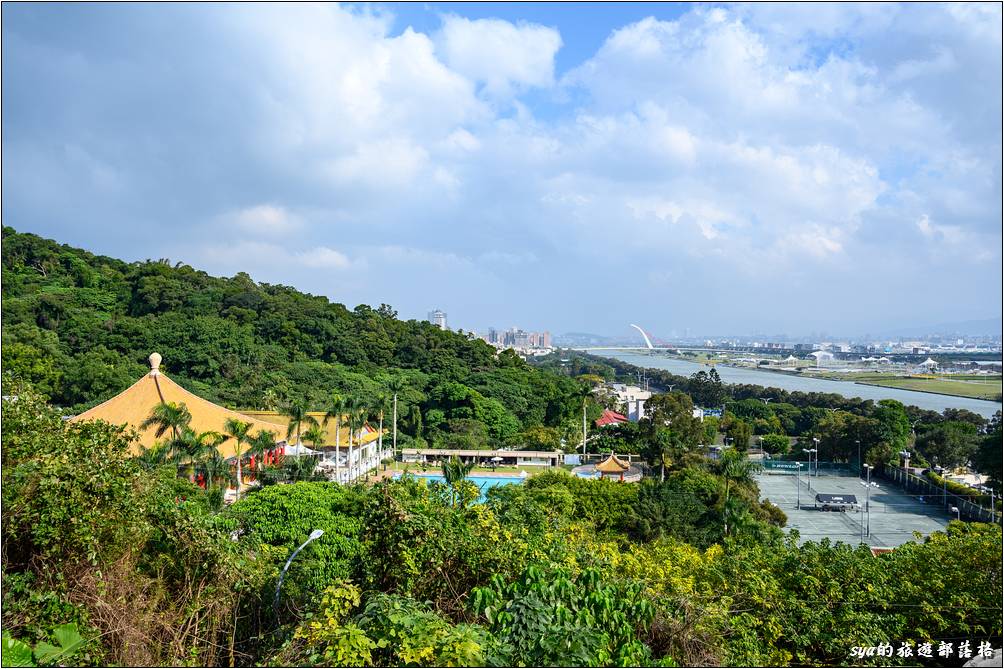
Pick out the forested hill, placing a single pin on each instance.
(80, 327)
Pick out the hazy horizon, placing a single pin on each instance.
(758, 168)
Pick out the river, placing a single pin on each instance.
(804, 384)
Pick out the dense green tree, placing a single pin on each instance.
(949, 444)
(670, 429)
(776, 444)
(893, 431)
(707, 389)
(988, 456)
(737, 431)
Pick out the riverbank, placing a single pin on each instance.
(918, 385)
(806, 384)
(938, 386)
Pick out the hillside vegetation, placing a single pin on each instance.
(115, 559)
(79, 327)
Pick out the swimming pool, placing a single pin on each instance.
(484, 483)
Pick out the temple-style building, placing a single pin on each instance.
(134, 404)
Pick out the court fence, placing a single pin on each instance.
(791, 467)
(968, 510)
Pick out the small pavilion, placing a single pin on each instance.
(612, 467)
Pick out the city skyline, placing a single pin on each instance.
(752, 167)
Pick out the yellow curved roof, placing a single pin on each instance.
(133, 406)
(612, 465)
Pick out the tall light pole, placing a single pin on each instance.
(316, 534)
(858, 442)
(808, 481)
(868, 499)
(798, 485)
(861, 515)
(815, 441)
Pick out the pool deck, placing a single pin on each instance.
(894, 515)
(474, 474)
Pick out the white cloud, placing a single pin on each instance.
(729, 147)
(263, 220)
(324, 257)
(268, 259)
(504, 57)
(391, 162)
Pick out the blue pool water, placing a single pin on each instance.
(484, 483)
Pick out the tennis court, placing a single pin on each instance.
(894, 516)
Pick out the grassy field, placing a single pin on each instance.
(983, 389)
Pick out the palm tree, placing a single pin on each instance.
(314, 436)
(238, 430)
(215, 467)
(454, 471)
(299, 418)
(357, 420)
(168, 416)
(735, 467)
(260, 444)
(191, 447)
(151, 458)
(395, 386)
(380, 404)
(583, 392)
(336, 411)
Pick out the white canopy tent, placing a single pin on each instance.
(296, 450)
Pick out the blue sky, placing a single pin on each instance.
(717, 168)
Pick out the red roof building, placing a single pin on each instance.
(610, 418)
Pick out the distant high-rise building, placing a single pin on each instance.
(517, 338)
(438, 318)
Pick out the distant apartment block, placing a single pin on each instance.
(518, 339)
(438, 318)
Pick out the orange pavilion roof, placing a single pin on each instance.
(612, 465)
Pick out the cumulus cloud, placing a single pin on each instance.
(263, 220)
(731, 150)
(502, 56)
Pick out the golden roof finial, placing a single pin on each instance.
(155, 364)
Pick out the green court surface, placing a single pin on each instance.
(894, 515)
